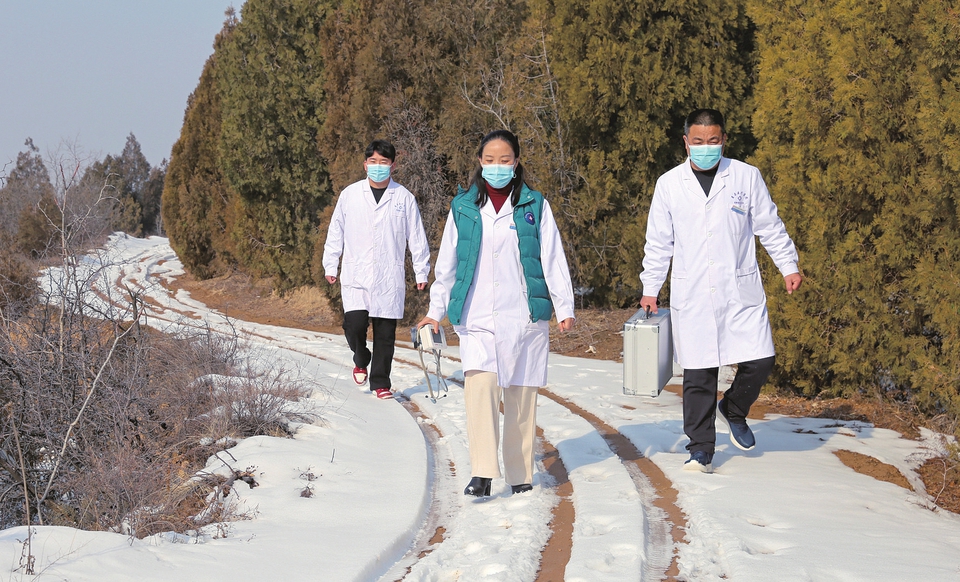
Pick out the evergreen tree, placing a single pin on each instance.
(270, 80)
(198, 204)
(27, 184)
(127, 177)
(854, 106)
(150, 199)
(628, 73)
(38, 228)
(430, 56)
(936, 80)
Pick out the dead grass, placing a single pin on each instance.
(941, 477)
(240, 296)
(597, 335)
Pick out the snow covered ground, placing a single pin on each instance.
(386, 480)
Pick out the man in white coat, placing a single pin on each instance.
(705, 215)
(373, 223)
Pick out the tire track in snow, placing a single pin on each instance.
(664, 520)
(556, 553)
(434, 527)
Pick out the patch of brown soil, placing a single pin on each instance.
(941, 477)
(880, 414)
(242, 297)
(621, 446)
(871, 467)
(597, 335)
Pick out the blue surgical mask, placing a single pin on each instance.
(705, 157)
(498, 175)
(378, 172)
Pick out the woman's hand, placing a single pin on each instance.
(566, 324)
(431, 322)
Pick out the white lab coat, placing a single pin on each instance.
(495, 331)
(372, 238)
(718, 309)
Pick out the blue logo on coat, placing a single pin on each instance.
(529, 218)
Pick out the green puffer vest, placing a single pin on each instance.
(526, 217)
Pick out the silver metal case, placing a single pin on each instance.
(647, 353)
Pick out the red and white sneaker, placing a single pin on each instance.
(383, 393)
(360, 376)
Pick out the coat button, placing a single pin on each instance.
(496, 284)
(709, 234)
(713, 289)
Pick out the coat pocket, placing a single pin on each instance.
(679, 289)
(750, 286)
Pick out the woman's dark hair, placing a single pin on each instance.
(477, 178)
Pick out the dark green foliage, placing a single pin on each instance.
(128, 180)
(150, 197)
(27, 184)
(270, 80)
(855, 104)
(18, 283)
(628, 73)
(199, 206)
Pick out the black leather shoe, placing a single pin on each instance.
(478, 487)
(521, 488)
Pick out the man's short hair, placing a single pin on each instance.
(703, 117)
(382, 147)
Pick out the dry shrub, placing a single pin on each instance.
(113, 425)
(258, 402)
(18, 282)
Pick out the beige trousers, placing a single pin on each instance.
(482, 397)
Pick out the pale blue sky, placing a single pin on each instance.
(91, 72)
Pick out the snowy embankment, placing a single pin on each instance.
(789, 510)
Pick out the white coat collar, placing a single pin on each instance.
(368, 193)
(692, 185)
(505, 210)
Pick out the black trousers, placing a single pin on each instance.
(700, 399)
(380, 362)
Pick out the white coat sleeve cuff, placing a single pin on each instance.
(651, 291)
(789, 269)
(436, 314)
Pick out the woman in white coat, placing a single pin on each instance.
(500, 273)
